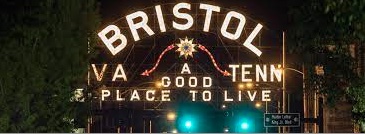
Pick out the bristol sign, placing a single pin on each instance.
(115, 39)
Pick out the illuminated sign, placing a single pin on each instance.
(142, 24)
(189, 75)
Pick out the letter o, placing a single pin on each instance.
(179, 81)
(195, 82)
(205, 97)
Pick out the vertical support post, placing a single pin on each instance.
(304, 101)
(283, 86)
(315, 112)
(144, 126)
(266, 128)
(88, 125)
(150, 126)
(320, 115)
(279, 106)
(89, 120)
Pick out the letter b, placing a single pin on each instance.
(109, 42)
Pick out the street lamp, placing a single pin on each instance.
(258, 104)
(249, 85)
(158, 84)
(284, 88)
(293, 70)
(303, 77)
(319, 71)
(224, 106)
(171, 116)
(241, 86)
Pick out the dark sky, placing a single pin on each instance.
(271, 13)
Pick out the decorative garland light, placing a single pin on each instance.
(186, 48)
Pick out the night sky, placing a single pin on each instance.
(272, 13)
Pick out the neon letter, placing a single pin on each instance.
(252, 96)
(234, 67)
(182, 16)
(244, 72)
(207, 84)
(207, 95)
(148, 92)
(109, 42)
(117, 75)
(143, 24)
(266, 95)
(193, 93)
(160, 19)
(195, 82)
(276, 72)
(226, 96)
(165, 94)
(99, 76)
(261, 73)
(208, 15)
(248, 42)
(104, 93)
(239, 29)
(135, 96)
(167, 83)
(185, 69)
(179, 78)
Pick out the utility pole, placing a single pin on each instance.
(283, 86)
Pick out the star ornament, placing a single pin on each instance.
(186, 47)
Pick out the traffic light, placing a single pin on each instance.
(244, 125)
(188, 124)
(247, 118)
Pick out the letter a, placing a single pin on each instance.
(121, 74)
(185, 69)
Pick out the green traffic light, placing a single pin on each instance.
(244, 126)
(188, 124)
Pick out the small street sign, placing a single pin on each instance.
(282, 119)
